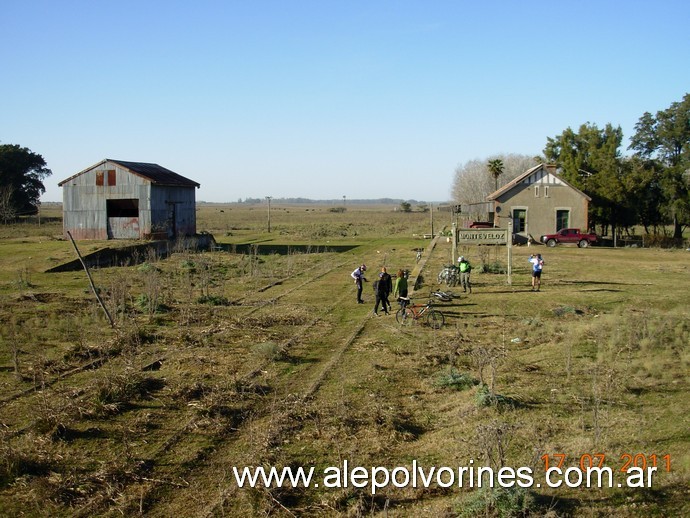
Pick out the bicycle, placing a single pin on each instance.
(412, 312)
(449, 275)
(443, 296)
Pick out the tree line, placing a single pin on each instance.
(650, 187)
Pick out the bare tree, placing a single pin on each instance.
(471, 183)
(8, 211)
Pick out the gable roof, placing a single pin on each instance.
(551, 170)
(156, 174)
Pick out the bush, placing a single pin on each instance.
(494, 267)
(499, 502)
(148, 268)
(268, 350)
(485, 398)
(661, 241)
(148, 305)
(456, 380)
(213, 300)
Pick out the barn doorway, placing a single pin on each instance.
(123, 218)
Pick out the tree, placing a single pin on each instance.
(471, 184)
(495, 169)
(645, 192)
(7, 210)
(590, 160)
(664, 139)
(22, 172)
(405, 206)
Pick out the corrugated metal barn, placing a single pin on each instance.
(128, 200)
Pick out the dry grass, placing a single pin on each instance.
(221, 360)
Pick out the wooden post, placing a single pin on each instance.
(509, 244)
(93, 287)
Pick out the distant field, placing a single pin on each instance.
(220, 360)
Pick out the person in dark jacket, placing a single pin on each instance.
(384, 287)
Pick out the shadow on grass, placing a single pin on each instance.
(295, 360)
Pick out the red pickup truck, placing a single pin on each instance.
(569, 235)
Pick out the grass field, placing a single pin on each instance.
(221, 360)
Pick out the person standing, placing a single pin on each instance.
(383, 289)
(465, 269)
(400, 289)
(537, 266)
(358, 276)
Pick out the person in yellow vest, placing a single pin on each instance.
(465, 269)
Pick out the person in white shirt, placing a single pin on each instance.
(537, 266)
(358, 276)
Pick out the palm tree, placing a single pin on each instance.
(495, 169)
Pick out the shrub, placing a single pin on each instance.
(503, 502)
(456, 380)
(213, 300)
(148, 268)
(494, 267)
(484, 397)
(268, 350)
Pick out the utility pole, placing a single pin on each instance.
(269, 213)
(431, 210)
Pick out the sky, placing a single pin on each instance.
(325, 99)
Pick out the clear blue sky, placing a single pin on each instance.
(324, 99)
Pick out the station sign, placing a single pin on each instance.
(483, 236)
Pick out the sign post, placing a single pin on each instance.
(487, 236)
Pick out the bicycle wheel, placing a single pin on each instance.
(435, 319)
(404, 316)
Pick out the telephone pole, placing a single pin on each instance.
(269, 213)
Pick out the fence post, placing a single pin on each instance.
(93, 287)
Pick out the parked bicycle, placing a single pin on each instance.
(412, 312)
(450, 275)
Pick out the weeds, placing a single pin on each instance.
(26, 455)
(455, 380)
(497, 502)
(485, 398)
(213, 300)
(268, 350)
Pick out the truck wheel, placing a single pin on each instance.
(583, 243)
(551, 243)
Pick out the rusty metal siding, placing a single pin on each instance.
(84, 203)
(85, 207)
(123, 228)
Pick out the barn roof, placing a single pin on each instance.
(158, 175)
